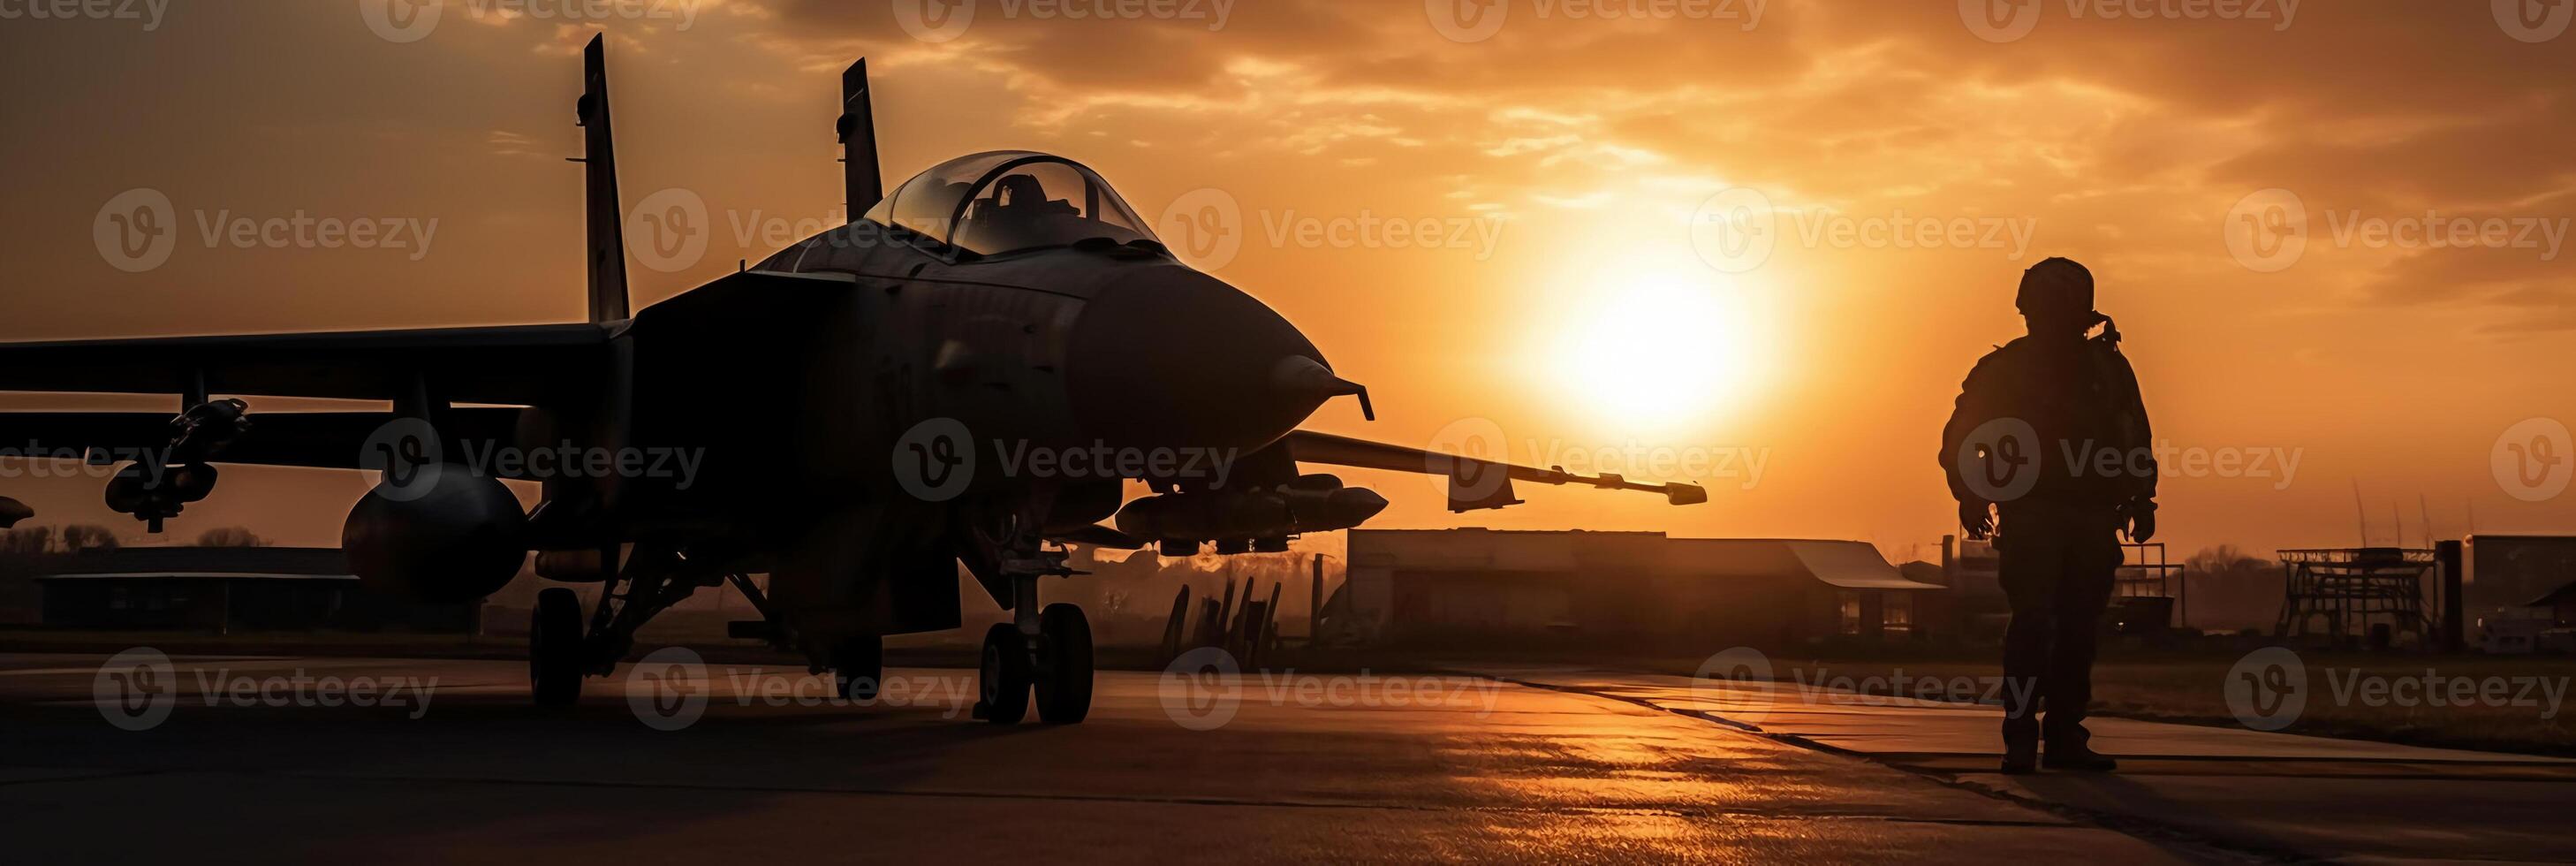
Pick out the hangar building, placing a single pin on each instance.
(1431, 587)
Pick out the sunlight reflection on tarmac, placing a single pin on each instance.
(1486, 773)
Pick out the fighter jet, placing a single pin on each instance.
(862, 408)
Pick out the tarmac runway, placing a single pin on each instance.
(278, 759)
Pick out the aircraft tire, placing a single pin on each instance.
(1064, 687)
(859, 664)
(1002, 681)
(555, 648)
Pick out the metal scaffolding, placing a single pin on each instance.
(2343, 593)
(2149, 587)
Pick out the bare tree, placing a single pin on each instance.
(230, 536)
(86, 537)
(27, 541)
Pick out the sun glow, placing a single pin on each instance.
(1658, 351)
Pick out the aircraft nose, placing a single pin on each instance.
(1173, 358)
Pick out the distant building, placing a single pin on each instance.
(1619, 589)
(2500, 571)
(226, 589)
(1975, 606)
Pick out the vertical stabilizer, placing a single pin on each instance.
(607, 233)
(862, 185)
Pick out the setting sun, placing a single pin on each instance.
(1661, 350)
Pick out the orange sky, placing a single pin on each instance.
(1562, 158)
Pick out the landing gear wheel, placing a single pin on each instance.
(859, 663)
(555, 648)
(1064, 683)
(1002, 681)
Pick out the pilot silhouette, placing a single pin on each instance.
(2051, 433)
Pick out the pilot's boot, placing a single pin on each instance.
(2072, 750)
(2021, 745)
(2021, 757)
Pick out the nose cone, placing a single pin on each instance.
(1173, 358)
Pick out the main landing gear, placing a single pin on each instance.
(1043, 651)
(1056, 664)
(561, 651)
(555, 647)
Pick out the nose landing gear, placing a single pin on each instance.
(1048, 651)
(1057, 666)
(1002, 680)
(555, 652)
(1064, 672)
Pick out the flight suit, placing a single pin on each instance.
(2057, 535)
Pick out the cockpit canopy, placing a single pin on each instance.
(1008, 200)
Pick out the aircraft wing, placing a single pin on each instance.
(1473, 483)
(516, 365)
(317, 440)
(512, 366)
